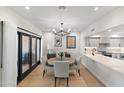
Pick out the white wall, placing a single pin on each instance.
(8, 15)
(82, 43)
(48, 40)
(0, 54)
(9, 71)
(112, 19)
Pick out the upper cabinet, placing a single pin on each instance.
(92, 42)
(104, 40)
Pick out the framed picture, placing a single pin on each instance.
(58, 42)
(71, 41)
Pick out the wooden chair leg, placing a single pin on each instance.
(79, 72)
(43, 73)
(67, 81)
(55, 81)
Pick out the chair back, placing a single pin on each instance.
(61, 69)
(44, 59)
(78, 61)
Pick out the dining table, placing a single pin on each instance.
(51, 61)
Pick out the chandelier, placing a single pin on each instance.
(61, 32)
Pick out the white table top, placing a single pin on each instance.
(51, 61)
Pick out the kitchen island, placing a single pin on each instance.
(109, 71)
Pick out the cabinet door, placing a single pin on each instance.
(94, 42)
(117, 42)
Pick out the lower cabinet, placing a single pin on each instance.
(108, 76)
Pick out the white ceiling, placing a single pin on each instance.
(75, 17)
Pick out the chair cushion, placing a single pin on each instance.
(51, 56)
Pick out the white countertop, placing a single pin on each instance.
(112, 63)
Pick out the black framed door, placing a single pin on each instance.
(29, 47)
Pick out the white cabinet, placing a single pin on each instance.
(109, 75)
(92, 42)
(117, 42)
(104, 40)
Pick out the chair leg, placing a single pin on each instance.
(43, 73)
(79, 72)
(55, 81)
(67, 81)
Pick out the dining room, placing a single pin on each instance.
(61, 64)
(61, 48)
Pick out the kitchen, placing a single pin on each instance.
(107, 61)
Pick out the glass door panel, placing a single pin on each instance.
(25, 53)
(38, 49)
(33, 51)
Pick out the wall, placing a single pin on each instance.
(8, 15)
(9, 78)
(0, 54)
(82, 43)
(48, 41)
(112, 19)
(9, 59)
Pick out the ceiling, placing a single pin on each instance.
(74, 17)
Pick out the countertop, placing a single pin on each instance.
(112, 63)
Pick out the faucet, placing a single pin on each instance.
(93, 51)
(85, 50)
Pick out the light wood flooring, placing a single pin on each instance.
(34, 79)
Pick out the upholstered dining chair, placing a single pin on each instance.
(45, 66)
(76, 66)
(61, 70)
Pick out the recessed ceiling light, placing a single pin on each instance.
(96, 36)
(27, 7)
(96, 8)
(110, 30)
(114, 35)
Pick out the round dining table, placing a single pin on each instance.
(51, 61)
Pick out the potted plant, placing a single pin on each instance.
(61, 54)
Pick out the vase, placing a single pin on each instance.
(61, 57)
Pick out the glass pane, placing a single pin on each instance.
(25, 53)
(33, 51)
(38, 49)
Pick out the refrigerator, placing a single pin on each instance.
(8, 54)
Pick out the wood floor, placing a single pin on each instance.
(34, 79)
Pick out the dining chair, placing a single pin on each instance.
(76, 66)
(61, 70)
(68, 55)
(45, 66)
